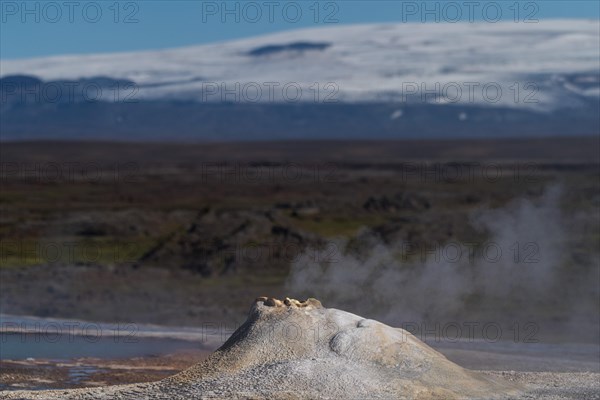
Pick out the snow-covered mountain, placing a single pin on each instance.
(464, 67)
(556, 58)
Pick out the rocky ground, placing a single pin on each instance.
(190, 224)
(90, 372)
(554, 385)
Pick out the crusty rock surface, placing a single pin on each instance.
(301, 350)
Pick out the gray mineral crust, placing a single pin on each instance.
(300, 350)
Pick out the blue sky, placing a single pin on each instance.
(38, 28)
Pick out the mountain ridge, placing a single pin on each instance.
(378, 81)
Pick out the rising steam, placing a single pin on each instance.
(513, 272)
